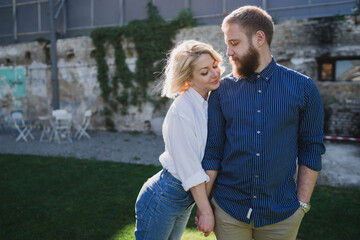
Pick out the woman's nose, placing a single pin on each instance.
(214, 73)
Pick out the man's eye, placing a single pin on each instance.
(216, 66)
(233, 43)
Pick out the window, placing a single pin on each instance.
(327, 71)
(333, 69)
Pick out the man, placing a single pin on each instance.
(262, 120)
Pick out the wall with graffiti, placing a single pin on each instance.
(12, 87)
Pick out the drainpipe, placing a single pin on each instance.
(122, 11)
(187, 4)
(15, 21)
(54, 77)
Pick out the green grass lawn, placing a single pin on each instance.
(68, 198)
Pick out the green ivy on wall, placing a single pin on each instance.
(153, 39)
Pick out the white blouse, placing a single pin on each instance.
(185, 132)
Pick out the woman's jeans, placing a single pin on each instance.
(162, 208)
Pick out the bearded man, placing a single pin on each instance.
(265, 126)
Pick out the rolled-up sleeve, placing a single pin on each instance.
(311, 124)
(183, 146)
(214, 149)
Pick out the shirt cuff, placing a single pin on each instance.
(312, 161)
(210, 165)
(196, 179)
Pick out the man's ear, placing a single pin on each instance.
(260, 38)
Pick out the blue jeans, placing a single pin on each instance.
(162, 208)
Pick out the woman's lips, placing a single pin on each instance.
(216, 81)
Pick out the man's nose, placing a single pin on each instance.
(229, 52)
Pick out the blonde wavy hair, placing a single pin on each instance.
(180, 66)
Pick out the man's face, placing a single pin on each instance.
(244, 57)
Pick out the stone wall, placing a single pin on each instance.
(296, 44)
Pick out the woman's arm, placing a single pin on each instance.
(205, 220)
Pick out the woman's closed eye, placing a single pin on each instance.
(205, 73)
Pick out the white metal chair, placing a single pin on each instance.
(81, 129)
(19, 123)
(58, 112)
(62, 125)
(47, 128)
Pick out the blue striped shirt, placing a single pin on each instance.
(258, 128)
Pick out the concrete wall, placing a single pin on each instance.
(296, 44)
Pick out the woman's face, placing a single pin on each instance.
(206, 75)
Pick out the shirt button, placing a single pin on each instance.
(259, 91)
(254, 196)
(258, 154)
(258, 132)
(258, 111)
(258, 76)
(257, 176)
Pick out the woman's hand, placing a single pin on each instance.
(205, 221)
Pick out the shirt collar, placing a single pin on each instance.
(194, 94)
(269, 70)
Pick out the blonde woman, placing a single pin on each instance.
(165, 201)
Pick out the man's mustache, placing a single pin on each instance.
(233, 59)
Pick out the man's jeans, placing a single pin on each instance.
(162, 208)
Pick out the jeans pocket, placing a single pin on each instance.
(175, 194)
(143, 201)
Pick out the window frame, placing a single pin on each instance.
(332, 61)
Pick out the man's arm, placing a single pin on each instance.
(310, 141)
(213, 152)
(306, 183)
(209, 185)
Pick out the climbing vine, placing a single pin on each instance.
(153, 39)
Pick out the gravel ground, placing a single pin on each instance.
(104, 146)
(341, 163)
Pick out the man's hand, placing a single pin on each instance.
(205, 221)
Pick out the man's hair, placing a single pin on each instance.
(252, 19)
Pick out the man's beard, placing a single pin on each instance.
(246, 65)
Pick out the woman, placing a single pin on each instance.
(165, 201)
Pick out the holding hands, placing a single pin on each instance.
(205, 221)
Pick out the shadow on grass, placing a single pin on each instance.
(67, 198)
